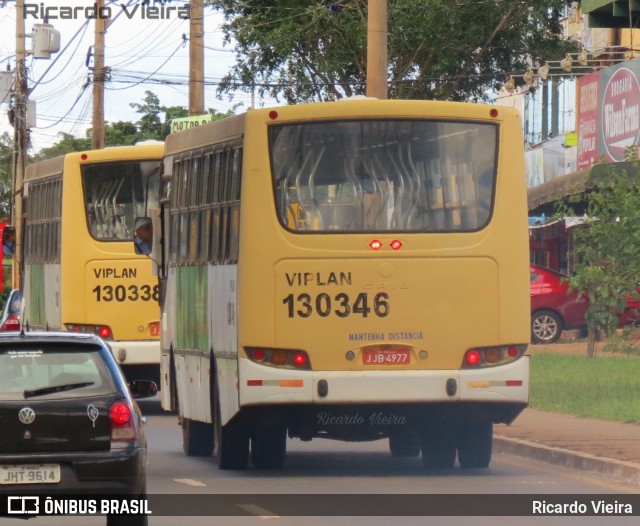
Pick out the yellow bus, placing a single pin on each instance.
(353, 270)
(80, 271)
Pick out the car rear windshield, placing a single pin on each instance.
(53, 371)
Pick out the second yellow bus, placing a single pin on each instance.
(80, 270)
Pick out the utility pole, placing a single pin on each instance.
(99, 73)
(377, 49)
(21, 138)
(196, 58)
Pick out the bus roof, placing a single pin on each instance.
(205, 134)
(55, 165)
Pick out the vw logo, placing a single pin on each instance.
(27, 415)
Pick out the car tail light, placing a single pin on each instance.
(490, 356)
(123, 425)
(285, 358)
(12, 323)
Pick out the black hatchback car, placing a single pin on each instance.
(68, 421)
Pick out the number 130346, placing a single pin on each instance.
(341, 305)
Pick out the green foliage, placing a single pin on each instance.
(606, 388)
(607, 247)
(155, 123)
(301, 50)
(6, 171)
(621, 343)
(67, 144)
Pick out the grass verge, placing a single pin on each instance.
(605, 387)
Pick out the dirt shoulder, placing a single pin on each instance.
(573, 342)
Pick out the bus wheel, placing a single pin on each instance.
(474, 449)
(197, 438)
(439, 447)
(231, 442)
(404, 445)
(269, 447)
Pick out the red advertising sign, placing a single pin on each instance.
(620, 113)
(588, 120)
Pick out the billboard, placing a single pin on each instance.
(588, 119)
(609, 114)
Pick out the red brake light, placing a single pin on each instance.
(299, 359)
(513, 352)
(472, 357)
(287, 358)
(104, 332)
(396, 244)
(120, 413)
(376, 244)
(122, 425)
(12, 323)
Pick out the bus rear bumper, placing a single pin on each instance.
(260, 385)
(135, 352)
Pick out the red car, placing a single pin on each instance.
(553, 308)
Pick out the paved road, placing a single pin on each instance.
(334, 468)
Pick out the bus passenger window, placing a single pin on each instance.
(9, 241)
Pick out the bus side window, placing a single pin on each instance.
(9, 241)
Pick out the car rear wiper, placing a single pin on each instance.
(30, 393)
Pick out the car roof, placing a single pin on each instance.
(50, 336)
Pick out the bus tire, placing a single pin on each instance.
(439, 447)
(269, 447)
(404, 445)
(476, 442)
(197, 438)
(231, 441)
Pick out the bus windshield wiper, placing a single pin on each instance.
(30, 393)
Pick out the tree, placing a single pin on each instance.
(67, 144)
(121, 133)
(312, 50)
(155, 123)
(6, 175)
(607, 248)
(150, 124)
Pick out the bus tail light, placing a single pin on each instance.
(284, 358)
(490, 356)
(104, 331)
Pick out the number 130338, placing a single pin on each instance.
(121, 293)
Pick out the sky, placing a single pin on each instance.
(143, 54)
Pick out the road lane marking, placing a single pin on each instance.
(190, 482)
(258, 511)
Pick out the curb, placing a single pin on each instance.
(627, 472)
